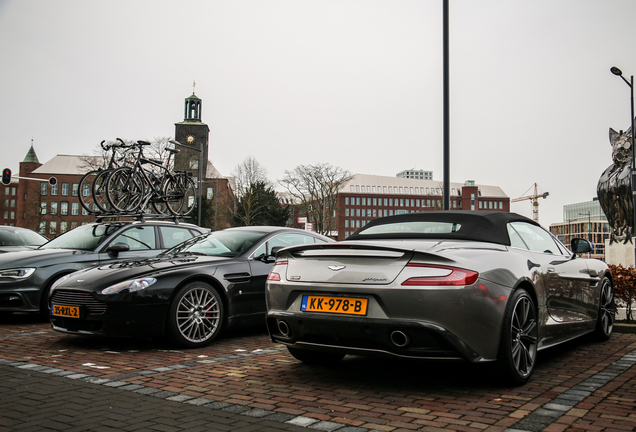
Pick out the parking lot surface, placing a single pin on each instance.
(243, 382)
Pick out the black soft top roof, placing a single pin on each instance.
(474, 225)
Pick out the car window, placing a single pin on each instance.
(536, 238)
(285, 240)
(515, 239)
(18, 237)
(172, 236)
(85, 237)
(137, 238)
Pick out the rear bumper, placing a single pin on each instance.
(364, 336)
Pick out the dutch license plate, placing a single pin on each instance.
(332, 304)
(65, 311)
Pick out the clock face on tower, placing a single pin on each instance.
(190, 139)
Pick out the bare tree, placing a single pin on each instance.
(247, 174)
(315, 189)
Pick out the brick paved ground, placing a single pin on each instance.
(244, 381)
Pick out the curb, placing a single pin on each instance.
(622, 327)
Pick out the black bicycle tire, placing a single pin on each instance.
(80, 191)
(125, 201)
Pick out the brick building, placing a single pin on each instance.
(55, 209)
(363, 198)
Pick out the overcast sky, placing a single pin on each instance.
(355, 83)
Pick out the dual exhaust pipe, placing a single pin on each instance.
(398, 338)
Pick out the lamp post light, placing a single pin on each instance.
(630, 83)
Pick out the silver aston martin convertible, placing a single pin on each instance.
(479, 286)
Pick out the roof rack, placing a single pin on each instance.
(139, 217)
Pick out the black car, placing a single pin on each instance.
(13, 239)
(189, 293)
(26, 276)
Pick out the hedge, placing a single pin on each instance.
(624, 287)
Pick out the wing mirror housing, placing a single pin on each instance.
(116, 248)
(579, 245)
(272, 255)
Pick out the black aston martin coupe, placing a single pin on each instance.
(189, 293)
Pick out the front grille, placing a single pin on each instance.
(79, 298)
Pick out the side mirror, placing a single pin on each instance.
(116, 248)
(579, 245)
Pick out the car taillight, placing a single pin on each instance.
(442, 276)
(273, 274)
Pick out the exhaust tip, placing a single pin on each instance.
(283, 328)
(400, 339)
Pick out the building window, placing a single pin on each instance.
(53, 208)
(63, 227)
(54, 189)
(43, 208)
(13, 203)
(53, 228)
(86, 189)
(64, 208)
(64, 189)
(73, 225)
(210, 193)
(44, 188)
(42, 228)
(75, 188)
(74, 208)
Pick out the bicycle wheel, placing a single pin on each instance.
(85, 192)
(125, 189)
(180, 194)
(100, 198)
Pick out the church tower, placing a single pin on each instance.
(193, 135)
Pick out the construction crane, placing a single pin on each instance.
(535, 201)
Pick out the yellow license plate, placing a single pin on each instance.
(332, 304)
(65, 311)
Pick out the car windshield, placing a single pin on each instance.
(425, 227)
(226, 243)
(86, 237)
(21, 237)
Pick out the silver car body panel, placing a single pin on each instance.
(467, 319)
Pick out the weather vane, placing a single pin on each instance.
(194, 84)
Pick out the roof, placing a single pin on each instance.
(65, 164)
(472, 225)
(374, 182)
(31, 157)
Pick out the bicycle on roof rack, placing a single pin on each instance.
(92, 186)
(131, 188)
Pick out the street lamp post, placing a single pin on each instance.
(630, 83)
(589, 229)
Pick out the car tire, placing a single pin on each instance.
(606, 311)
(196, 315)
(519, 336)
(315, 357)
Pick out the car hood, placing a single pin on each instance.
(5, 249)
(98, 277)
(38, 257)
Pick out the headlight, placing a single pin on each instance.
(20, 273)
(59, 281)
(129, 285)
